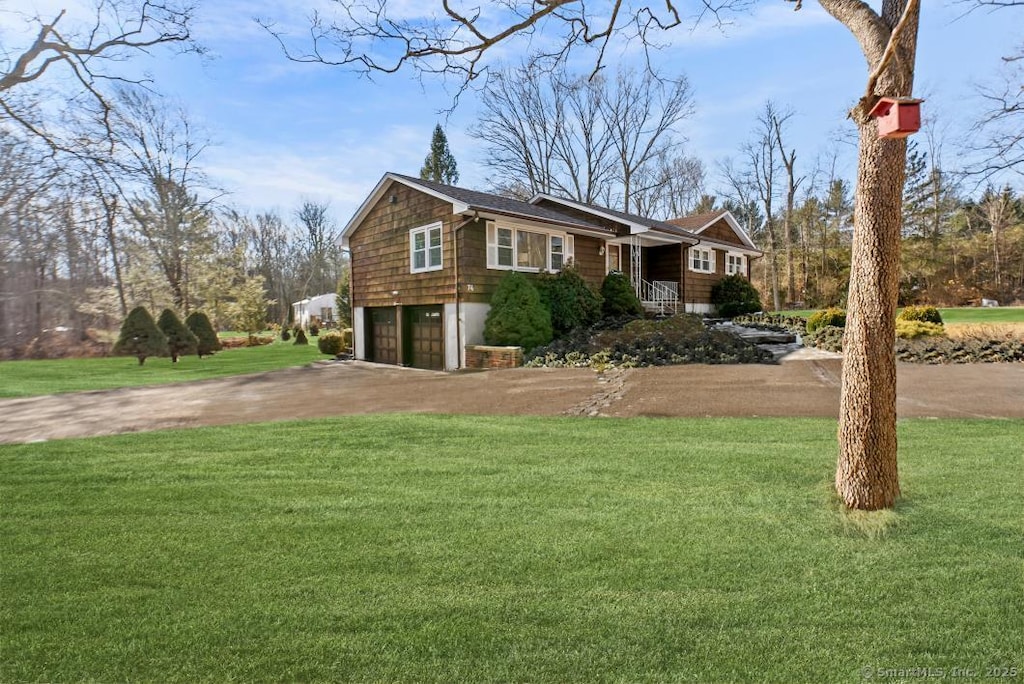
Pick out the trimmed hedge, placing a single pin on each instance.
(911, 329)
(925, 314)
(826, 317)
(331, 342)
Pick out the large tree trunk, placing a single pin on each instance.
(866, 474)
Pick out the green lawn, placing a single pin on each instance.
(30, 378)
(434, 548)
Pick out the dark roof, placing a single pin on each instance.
(486, 201)
(627, 218)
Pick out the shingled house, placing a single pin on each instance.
(426, 258)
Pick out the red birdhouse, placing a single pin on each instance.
(897, 117)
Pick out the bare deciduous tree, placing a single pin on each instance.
(80, 52)
(589, 139)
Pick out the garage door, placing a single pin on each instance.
(425, 325)
(384, 335)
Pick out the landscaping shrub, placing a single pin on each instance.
(734, 295)
(829, 338)
(180, 339)
(675, 340)
(618, 297)
(241, 342)
(569, 299)
(346, 334)
(300, 337)
(826, 317)
(314, 329)
(517, 316)
(332, 343)
(140, 337)
(207, 340)
(925, 314)
(285, 335)
(912, 329)
(934, 350)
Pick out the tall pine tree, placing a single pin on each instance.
(439, 166)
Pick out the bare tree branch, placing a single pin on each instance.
(80, 54)
(371, 36)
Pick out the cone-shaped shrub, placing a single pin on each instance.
(140, 337)
(619, 297)
(180, 339)
(199, 324)
(517, 316)
(300, 337)
(570, 300)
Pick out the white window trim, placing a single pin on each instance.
(742, 267)
(426, 230)
(568, 247)
(711, 259)
(608, 257)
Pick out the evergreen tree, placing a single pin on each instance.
(517, 316)
(439, 166)
(140, 337)
(618, 297)
(180, 340)
(208, 342)
(570, 300)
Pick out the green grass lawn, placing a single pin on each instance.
(30, 378)
(434, 548)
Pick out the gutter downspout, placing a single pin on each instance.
(458, 286)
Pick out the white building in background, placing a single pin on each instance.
(321, 307)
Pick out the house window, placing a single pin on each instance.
(557, 252)
(527, 250)
(702, 260)
(735, 263)
(505, 251)
(425, 248)
(531, 250)
(614, 258)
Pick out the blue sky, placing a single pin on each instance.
(285, 131)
